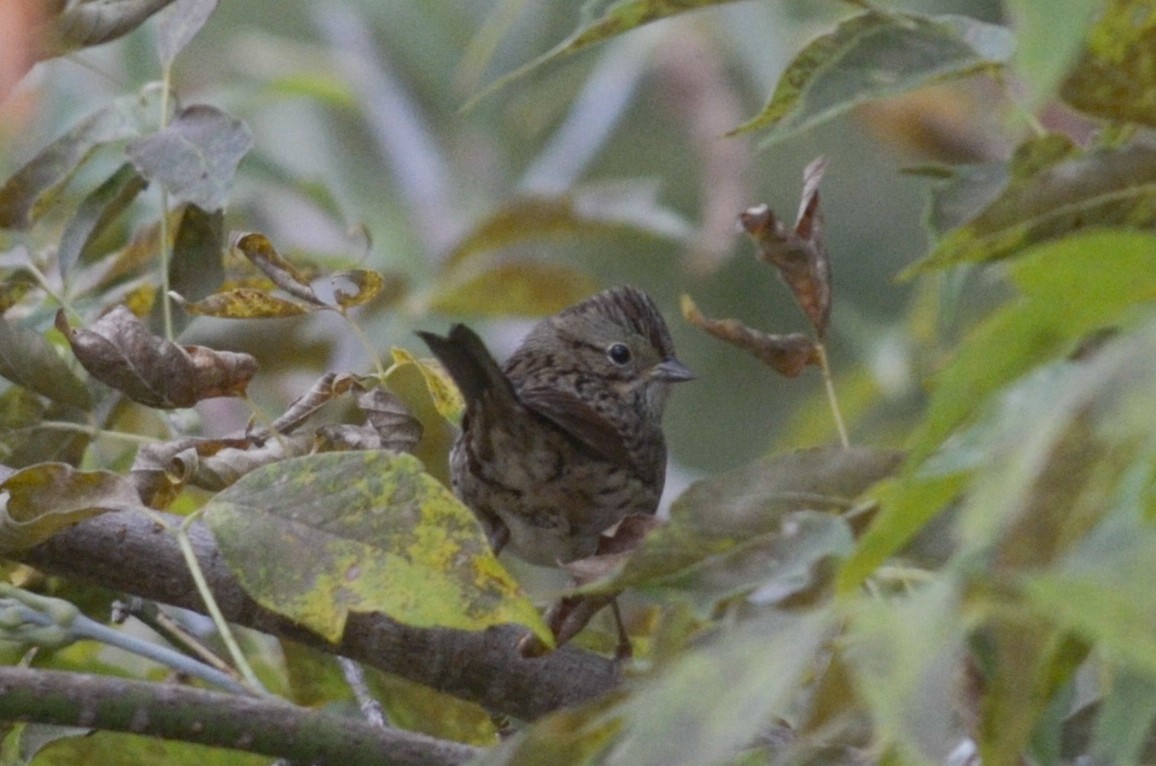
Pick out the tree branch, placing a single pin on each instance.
(258, 725)
(127, 552)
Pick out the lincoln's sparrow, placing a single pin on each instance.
(565, 439)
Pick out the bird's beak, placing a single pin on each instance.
(671, 371)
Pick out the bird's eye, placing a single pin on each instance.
(619, 353)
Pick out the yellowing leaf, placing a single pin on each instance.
(367, 285)
(441, 387)
(245, 303)
(318, 537)
(49, 497)
(1115, 78)
(529, 288)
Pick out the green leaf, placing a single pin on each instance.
(906, 505)
(29, 360)
(528, 288)
(905, 656)
(95, 22)
(1115, 77)
(49, 497)
(178, 24)
(26, 195)
(196, 156)
(714, 700)
(96, 213)
(366, 532)
(970, 189)
(596, 210)
(1125, 719)
(196, 268)
(1049, 36)
(26, 439)
(760, 526)
(874, 55)
(1071, 287)
(601, 20)
(1049, 195)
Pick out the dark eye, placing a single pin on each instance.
(619, 353)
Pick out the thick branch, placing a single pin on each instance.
(268, 726)
(125, 551)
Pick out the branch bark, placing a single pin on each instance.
(268, 726)
(127, 552)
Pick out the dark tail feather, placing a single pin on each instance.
(468, 362)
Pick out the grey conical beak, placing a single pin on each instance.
(671, 371)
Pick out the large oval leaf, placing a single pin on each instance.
(318, 537)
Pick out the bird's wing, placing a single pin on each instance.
(581, 421)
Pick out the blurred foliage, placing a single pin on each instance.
(985, 593)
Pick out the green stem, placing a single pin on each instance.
(93, 431)
(832, 400)
(198, 575)
(166, 248)
(367, 344)
(42, 280)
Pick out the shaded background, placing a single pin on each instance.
(365, 156)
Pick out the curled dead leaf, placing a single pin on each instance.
(788, 354)
(799, 253)
(390, 419)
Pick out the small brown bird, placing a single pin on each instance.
(565, 439)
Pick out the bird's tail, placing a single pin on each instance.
(469, 363)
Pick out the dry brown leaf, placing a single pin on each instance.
(799, 253)
(119, 351)
(788, 354)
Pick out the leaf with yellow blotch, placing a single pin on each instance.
(1115, 76)
(261, 253)
(49, 497)
(119, 351)
(245, 303)
(369, 532)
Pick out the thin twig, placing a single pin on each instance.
(355, 676)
